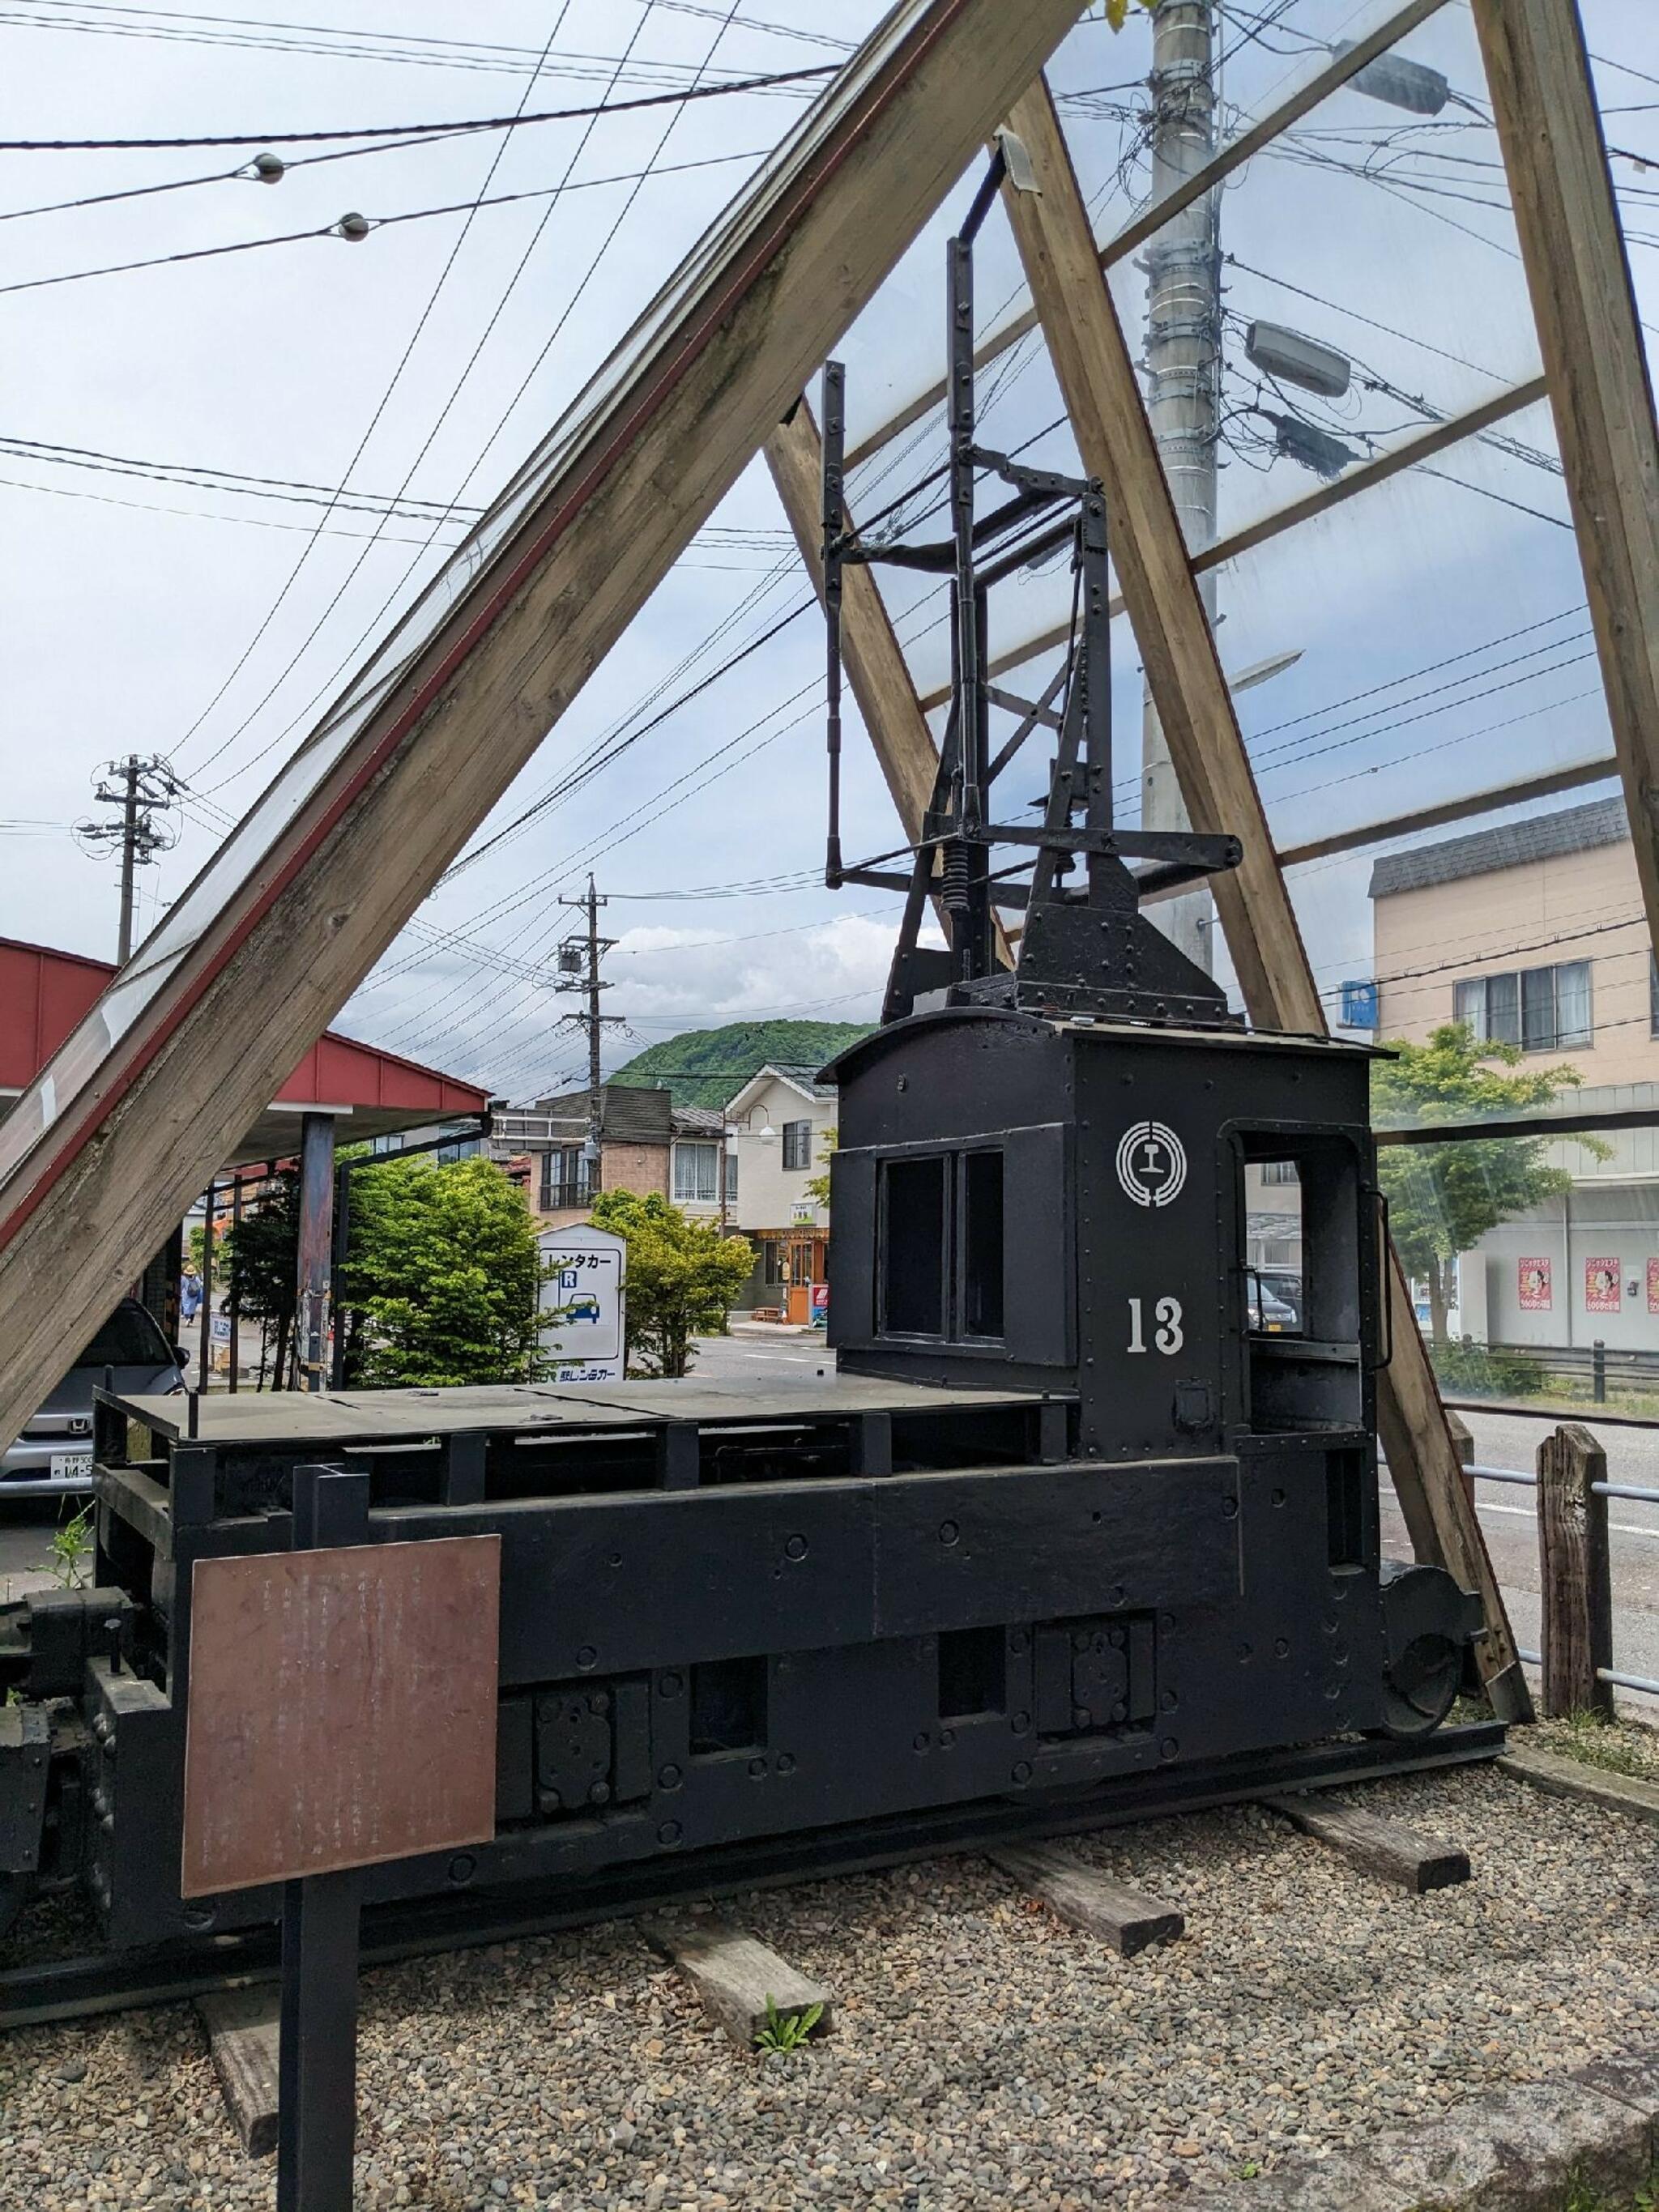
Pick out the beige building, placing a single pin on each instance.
(647, 1144)
(1534, 935)
(780, 1121)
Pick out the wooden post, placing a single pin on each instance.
(1463, 1437)
(1097, 378)
(316, 1247)
(1574, 1573)
(1550, 130)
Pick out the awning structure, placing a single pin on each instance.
(44, 992)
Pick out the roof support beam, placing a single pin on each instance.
(1233, 156)
(1548, 125)
(107, 1149)
(1097, 380)
(1438, 439)
(1450, 809)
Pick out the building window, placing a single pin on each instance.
(1279, 1171)
(565, 1180)
(797, 1145)
(1539, 1009)
(732, 1176)
(696, 1175)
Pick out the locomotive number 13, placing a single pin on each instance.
(1166, 1329)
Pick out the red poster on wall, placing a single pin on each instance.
(1533, 1276)
(1653, 1286)
(1603, 1279)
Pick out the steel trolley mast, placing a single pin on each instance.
(1082, 947)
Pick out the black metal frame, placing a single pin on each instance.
(952, 859)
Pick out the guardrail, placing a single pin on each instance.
(1575, 1569)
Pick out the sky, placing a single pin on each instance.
(381, 391)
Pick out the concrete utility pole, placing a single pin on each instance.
(1183, 365)
(140, 789)
(579, 970)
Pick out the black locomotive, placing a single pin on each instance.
(1083, 1523)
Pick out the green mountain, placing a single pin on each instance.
(705, 1067)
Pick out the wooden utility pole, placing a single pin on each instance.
(1548, 126)
(1097, 380)
(99, 1156)
(1574, 1573)
(138, 790)
(580, 957)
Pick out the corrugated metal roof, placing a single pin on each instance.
(1513, 845)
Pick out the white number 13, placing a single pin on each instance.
(1166, 1334)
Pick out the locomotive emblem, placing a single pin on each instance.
(1152, 1164)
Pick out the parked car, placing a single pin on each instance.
(54, 1456)
(1270, 1315)
(1285, 1284)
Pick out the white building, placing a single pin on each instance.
(780, 1124)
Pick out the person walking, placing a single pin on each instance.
(190, 1293)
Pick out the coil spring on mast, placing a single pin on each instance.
(953, 886)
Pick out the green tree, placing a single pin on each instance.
(818, 1186)
(259, 1257)
(439, 1285)
(682, 1277)
(1443, 1199)
(441, 1277)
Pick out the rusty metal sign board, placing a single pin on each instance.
(342, 1709)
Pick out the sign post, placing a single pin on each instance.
(342, 1713)
(584, 1273)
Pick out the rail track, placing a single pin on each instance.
(72, 1988)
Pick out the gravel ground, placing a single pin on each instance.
(984, 2054)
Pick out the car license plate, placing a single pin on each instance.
(71, 1466)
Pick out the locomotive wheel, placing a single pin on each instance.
(1421, 1685)
(1427, 1622)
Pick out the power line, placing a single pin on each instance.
(462, 126)
(372, 223)
(597, 258)
(381, 405)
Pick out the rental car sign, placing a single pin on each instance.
(581, 1303)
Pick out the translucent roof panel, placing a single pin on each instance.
(1370, 288)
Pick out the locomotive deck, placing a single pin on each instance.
(333, 1418)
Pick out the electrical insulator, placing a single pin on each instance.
(268, 168)
(354, 227)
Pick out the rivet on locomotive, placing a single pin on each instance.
(1084, 1522)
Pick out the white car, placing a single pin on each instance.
(54, 1456)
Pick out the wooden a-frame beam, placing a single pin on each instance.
(107, 1149)
(1097, 381)
(1548, 126)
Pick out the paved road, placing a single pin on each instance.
(1509, 1440)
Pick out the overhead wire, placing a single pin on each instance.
(383, 401)
(597, 258)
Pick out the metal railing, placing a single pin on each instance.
(1642, 1496)
(1596, 1530)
